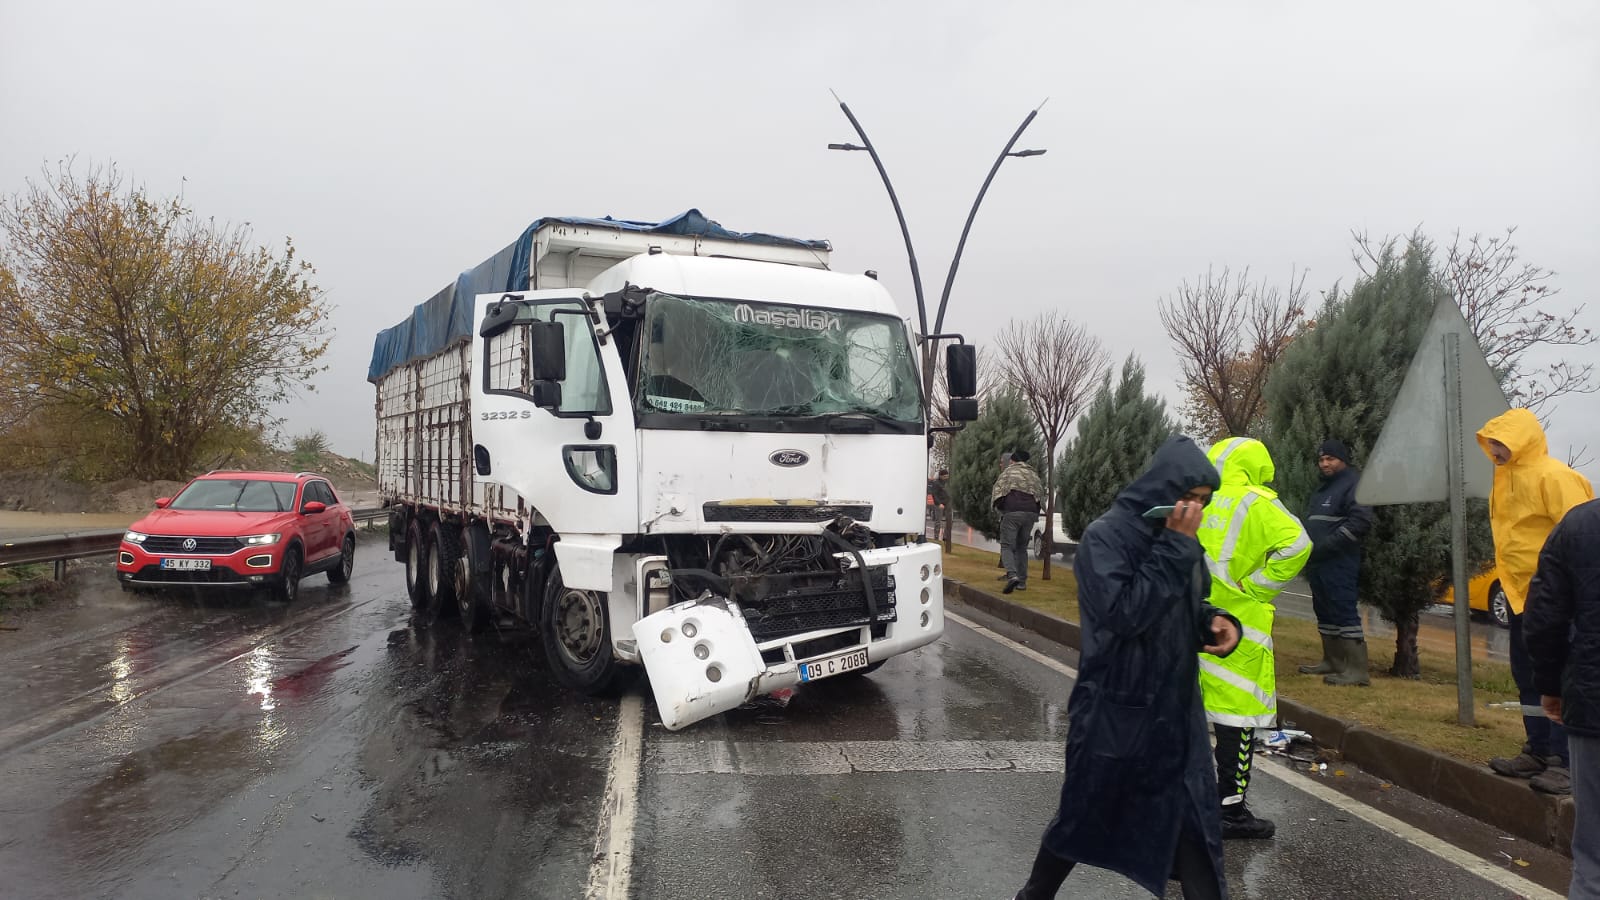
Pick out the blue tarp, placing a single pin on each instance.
(446, 317)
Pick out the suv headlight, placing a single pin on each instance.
(257, 540)
(134, 537)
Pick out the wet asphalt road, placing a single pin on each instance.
(176, 747)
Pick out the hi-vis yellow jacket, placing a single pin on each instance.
(1531, 494)
(1254, 548)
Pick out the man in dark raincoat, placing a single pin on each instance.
(1140, 795)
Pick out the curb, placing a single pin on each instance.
(1474, 791)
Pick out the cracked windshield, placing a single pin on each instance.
(721, 357)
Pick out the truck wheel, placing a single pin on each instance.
(416, 558)
(444, 549)
(576, 632)
(1038, 546)
(473, 580)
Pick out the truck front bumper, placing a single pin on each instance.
(702, 659)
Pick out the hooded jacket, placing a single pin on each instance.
(1254, 548)
(1139, 763)
(1531, 494)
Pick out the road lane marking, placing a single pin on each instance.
(611, 871)
(1409, 833)
(1023, 649)
(1412, 835)
(855, 757)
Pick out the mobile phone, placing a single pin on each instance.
(1158, 512)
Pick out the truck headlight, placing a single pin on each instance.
(134, 537)
(259, 540)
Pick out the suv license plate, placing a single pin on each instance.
(186, 565)
(834, 665)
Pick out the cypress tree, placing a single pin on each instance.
(1116, 438)
(1004, 426)
(1340, 380)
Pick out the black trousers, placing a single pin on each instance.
(1235, 751)
(1191, 868)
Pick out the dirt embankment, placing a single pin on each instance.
(42, 492)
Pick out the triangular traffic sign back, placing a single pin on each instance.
(1409, 464)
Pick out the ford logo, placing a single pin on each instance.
(190, 543)
(789, 459)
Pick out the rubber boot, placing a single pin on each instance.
(1325, 667)
(1351, 662)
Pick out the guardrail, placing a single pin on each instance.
(59, 548)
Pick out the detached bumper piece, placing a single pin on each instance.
(701, 659)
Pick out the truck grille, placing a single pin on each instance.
(838, 604)
(718, 512)
(203, 546)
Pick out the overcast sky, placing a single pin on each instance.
(399, 143)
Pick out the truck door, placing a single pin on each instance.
(565, 443)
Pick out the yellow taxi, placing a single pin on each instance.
(1484, 597)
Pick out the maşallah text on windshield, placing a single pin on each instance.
(787, 317)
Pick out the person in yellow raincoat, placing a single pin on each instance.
(1532, 492)
(1254, 548)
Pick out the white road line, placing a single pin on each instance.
(611, 871)
(1025, 650)
(1412, 835)
(1416, 837)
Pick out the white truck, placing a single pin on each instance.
(665, 445)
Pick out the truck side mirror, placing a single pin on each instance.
(547, 349)
(961, 373)
(547, 394)
(963, 409)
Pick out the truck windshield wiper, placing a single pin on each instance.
(867, 417)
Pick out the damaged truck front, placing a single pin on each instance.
(706, 458)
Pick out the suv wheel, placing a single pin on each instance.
(288, 585)
(340, 574)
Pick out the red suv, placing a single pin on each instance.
(242, 529)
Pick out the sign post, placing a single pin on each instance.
(1427, 452)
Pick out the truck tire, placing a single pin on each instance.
(416, 560)
(474, 579)
(444, 549)
(576, 632)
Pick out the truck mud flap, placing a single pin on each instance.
(701, 660)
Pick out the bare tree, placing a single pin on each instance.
(1056, 365)
(1228, 334)
(1503, 300)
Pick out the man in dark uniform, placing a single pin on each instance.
(1337, 526)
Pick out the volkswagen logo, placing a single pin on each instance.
(189, 544)
(789, 459)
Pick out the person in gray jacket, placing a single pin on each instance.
(1018, 494)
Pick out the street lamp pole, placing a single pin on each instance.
(929, 348)
(950, 279)
(911, 254)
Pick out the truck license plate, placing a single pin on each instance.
(833, 665)
(187, 565)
